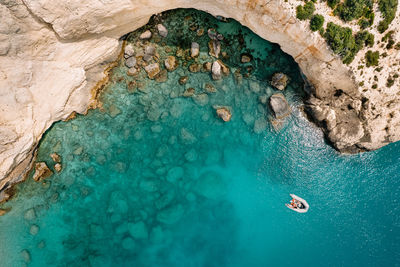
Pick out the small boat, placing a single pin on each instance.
(298, 204)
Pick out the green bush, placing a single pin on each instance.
(316, 22)
(364, 38)
(388, 9)
(353, 9)
(372, 58)
(364, 23)
(397, 46)
(306, 11)
(342, 42)
(370, 40)
(389, 82)
(332, 3)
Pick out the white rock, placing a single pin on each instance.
(195, 49)
(162, 31)
(130, 62)
(129, 51)
(216, 70)
(145, 35)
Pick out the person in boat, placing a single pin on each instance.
(296, 204)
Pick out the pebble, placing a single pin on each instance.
(129, 51)
(162, 31)
(130, 62)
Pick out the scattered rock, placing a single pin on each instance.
(171, 63)
(162, 31)
(34, 230)
(41, 244)
(224, 113)
(263, 99)
(153, 114)
(279, 80)
(152, 70)
(183, 80)
(189, 92)
(129, 51)
(138, 230)
(180, 53)
(187, 137)
(216, 70)
(210, 88)
(279, 106)
(212, 34)
(194, 67)
(130, 62)
(57, 167)
(131, 86)
(149, 50)
(246, 58)
(201, 99)
(55, 157)
(145, 35)
(41, 171)
(195, 50)
(200, 32)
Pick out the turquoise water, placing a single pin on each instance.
(157, 179)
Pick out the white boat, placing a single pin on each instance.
(300, 206)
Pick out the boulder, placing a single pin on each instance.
(30, 215)
(162, 76)
(260, 125)
(201, 99)
(195, 50)
(171, 214)
(245, 58)
(41, 171)
(58, 167)
(216, 70)
(174, 174)
(162, 31)
(224, 68)
(34, 230)
(145, 35)
(214, 48)
(150, 50)
(194, 67)
(209, 88)
(55, 157)
(26, 255)
(224, 113)
(131, 71)
(128, 51)
(207, 67)
(279, 80)
(130, 62)
(152, 70)
(279, 106)
(187, 137)
(171, 63)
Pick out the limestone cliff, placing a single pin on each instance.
(53, 52)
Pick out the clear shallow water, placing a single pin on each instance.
(156, 179)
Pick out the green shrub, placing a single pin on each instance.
(353, 9)
(370, 40)
(397, 46)
(364, 23)
(389, 82)
(374, 86)
(372, 58)
(390, 44)
(332, 3)
(364, 38)
(388, 9)
(342, 41)
(316, 22)
(306, 11)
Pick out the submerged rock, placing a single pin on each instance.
(171, 214)
(194, 50)
(279, 106)
(145, 35)
(191, 155)
(4, 211)
(128, 243)
(171, 63)
(209, 88)
(30, 215)
(216, 70)
(279, 80)
(131, 71)
(130, 62)
(260, 125)
(224, 113)
(34, 230)
(194, 67)
(41, 171)
(175, 174)
(152, 70)
(26, 255)
(187, 137)
(162, 31)
(138, 230)
(189, 92)
(211, 185)
(201, 99)
(183, 80)
(207, 66)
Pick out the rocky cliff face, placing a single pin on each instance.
(53, 52)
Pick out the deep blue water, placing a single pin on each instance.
(157, 179)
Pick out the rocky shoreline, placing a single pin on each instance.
(61, 61)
